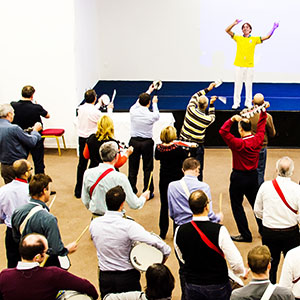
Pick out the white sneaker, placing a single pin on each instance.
(235, 106)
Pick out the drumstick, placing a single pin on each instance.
(82, 233)
(148, 188)
(42, 264)
(220, 202)
(50, 205)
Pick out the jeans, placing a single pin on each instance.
(208, 292)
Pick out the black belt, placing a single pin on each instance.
(283, 229)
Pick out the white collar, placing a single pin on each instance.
(27, 265)
(202, 218)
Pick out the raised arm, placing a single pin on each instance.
(228, 29)
(275, 26)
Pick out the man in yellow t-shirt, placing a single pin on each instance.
(244, 60)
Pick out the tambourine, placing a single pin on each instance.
(104, 99)
(250, 112)
(157, 84)
(143, 256)
(73, 295)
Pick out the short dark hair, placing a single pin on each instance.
(160, 282)
(28, 91)
(29, 251)
(258, 259)
(198, 201)
(144, 99)
(20, 167)
(246, 125)
(114, 198)
(38, 183)
(89, 96)
(190, 163)
(248, 25)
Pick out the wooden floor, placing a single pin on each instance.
(73, 217)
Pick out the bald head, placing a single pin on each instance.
(203, 102)
(285, 167)
(33, 247)
(21, 167)
(258, 99)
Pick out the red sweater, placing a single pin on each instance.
(245, 151)
(41, 284)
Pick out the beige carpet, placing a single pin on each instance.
(73, 217)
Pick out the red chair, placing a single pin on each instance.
(55, 133)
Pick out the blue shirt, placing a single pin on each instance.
(14, 142)
(12, 195)
(179, 208)
(142, 120)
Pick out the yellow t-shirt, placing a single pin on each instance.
(245, 50)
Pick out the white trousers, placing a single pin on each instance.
(243, 75)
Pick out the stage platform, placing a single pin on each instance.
(284, 99)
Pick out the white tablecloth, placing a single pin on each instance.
(122, 126)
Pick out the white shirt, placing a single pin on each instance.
(113, 237)
(291, 271)
(88, 116)
(12, 195)
(226, 244)
(271, 209)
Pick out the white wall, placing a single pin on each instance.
(37, 48)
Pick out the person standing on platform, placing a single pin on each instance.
(243, 178)
(171, 157)
(141, 132)
(12, 196)
(196, 121)
(14, 142)
(269, 132)
(88, 116)
(244, 60)
(277, 204)
(27, 113)
(259, 261)
(203, 247)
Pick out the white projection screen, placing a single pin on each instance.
(276, 59)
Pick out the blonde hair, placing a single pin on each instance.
(168, 134)
(105, 128)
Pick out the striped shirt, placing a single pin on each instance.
(196, 121)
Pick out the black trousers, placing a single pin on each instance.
(198, 153)
(279, 241)
(38, 157)
(119, 281)
(12, 249)
(82, 165)
(243, 183)
(142, 147)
